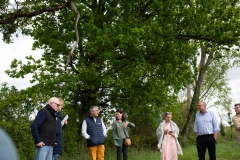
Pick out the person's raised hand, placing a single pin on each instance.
(126, 124)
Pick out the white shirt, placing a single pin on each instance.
(84, 129)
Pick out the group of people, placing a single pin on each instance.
(47, 132)
(48, 142)
(205, 127)
(94, 131)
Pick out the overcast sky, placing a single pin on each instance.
(22, 48)
(19, 49)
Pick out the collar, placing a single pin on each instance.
(52, 111)
(204, 113)
(238, 114)
(93, 117)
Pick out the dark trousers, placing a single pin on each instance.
(122, 151)
(206, 142)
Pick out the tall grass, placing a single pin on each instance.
(228, 150)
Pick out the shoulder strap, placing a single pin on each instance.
(121, 129)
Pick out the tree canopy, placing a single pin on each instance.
(130, 53)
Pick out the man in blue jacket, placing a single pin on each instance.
(94, 131)
(58, 148)
(44, 130)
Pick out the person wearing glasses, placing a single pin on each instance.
(236, 121)
(58, 149)
(206, 128)
(43, 130)
(94, 131)
(167, 133)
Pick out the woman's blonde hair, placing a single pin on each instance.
(167, 113)
(61, 101)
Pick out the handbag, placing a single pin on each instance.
(127, 140)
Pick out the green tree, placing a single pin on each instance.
(15, 112)
(130, 53)
(219, 34)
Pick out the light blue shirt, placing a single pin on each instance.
(206, 124)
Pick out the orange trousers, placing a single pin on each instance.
(96, 152)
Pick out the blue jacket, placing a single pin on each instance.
(57, 149)
(95, 131)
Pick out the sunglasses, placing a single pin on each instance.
(57, 104)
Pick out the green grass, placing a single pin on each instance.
(225, 151)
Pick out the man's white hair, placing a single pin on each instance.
(53, 99)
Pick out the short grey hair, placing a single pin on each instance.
(92, 108)
(204, 103)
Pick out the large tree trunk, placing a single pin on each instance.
(192, 111)
(204, 64)
(189, 96)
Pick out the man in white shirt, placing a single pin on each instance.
(94, 131)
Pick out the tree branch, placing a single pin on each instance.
(215, 79)
(20, 14)
(210, 58)
(73, 6)
(203, 56)
(187, 37)
(145, 7)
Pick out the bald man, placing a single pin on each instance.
(44, 129)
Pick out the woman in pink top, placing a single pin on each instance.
(168, 144)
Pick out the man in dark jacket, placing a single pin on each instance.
(58, 149)
(94, 131)
(44, 130)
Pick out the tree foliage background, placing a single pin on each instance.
(134, 55)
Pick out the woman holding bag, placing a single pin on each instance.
(120, 133)
(167, 133)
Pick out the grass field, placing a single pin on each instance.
(225, 151)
